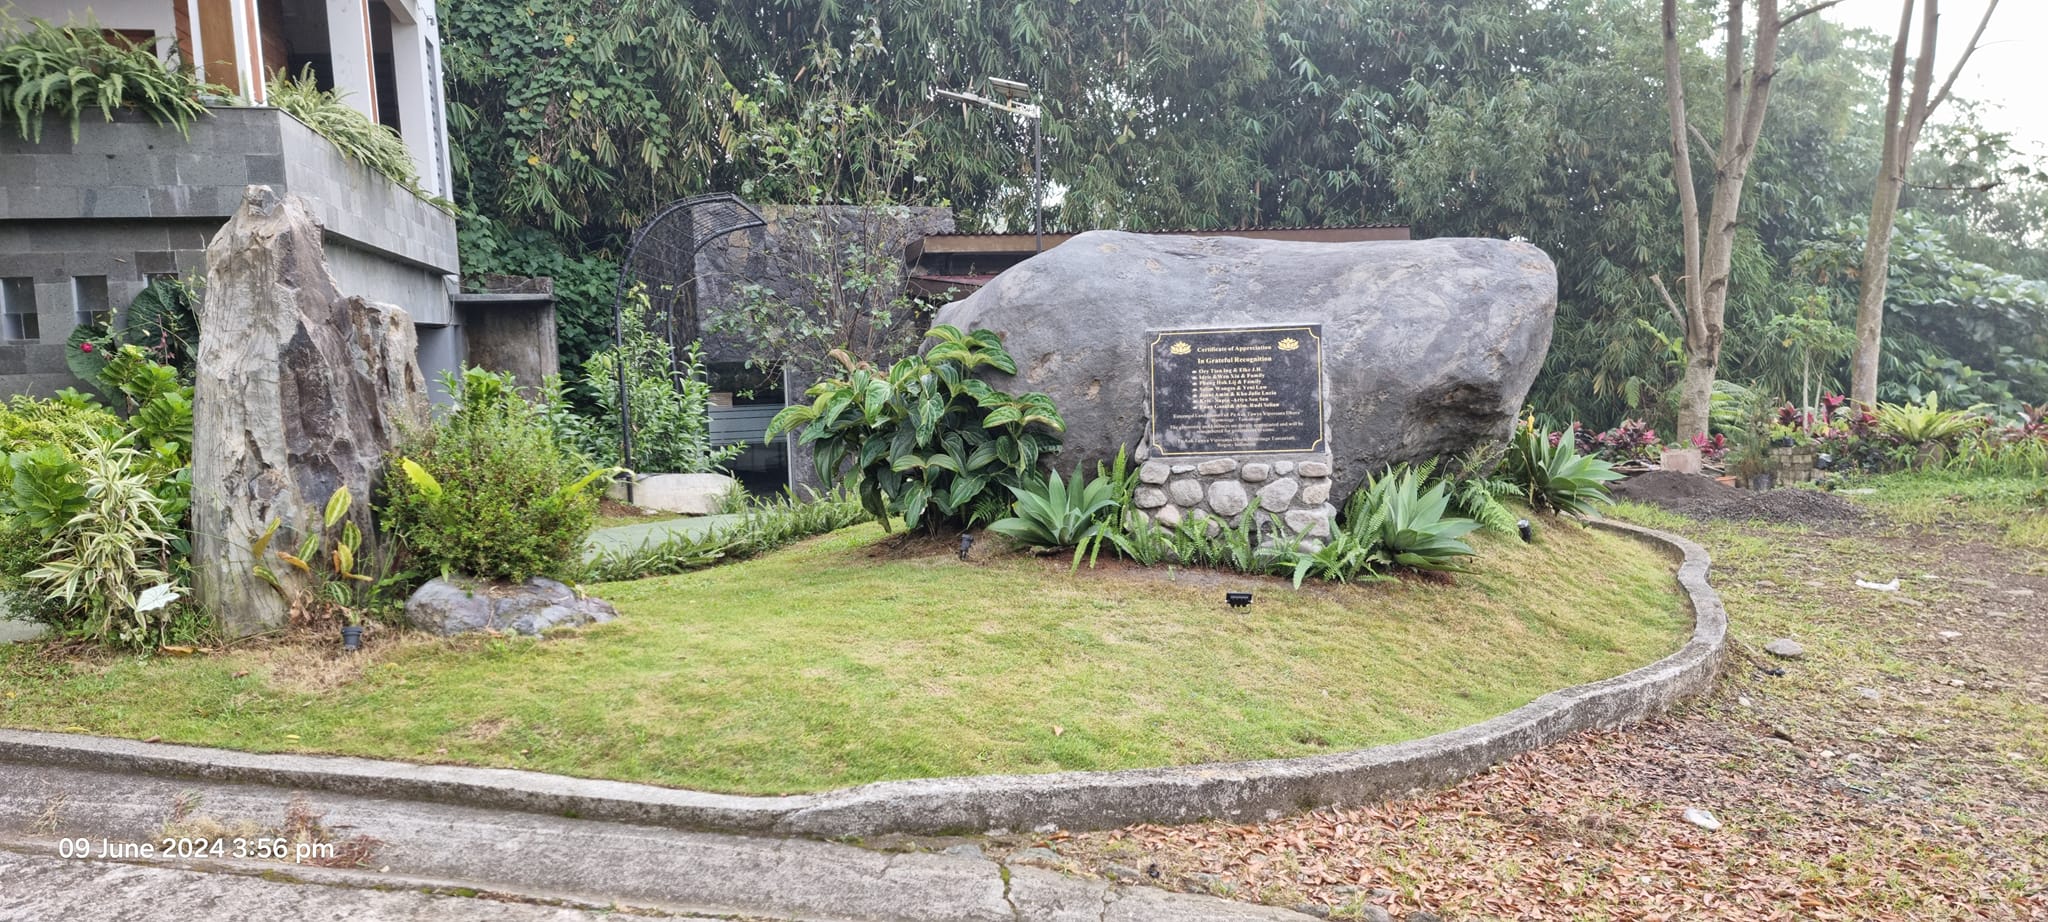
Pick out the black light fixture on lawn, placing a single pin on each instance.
(1238, 599)
(1528, 533)
(966, 543)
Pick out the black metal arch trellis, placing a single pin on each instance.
(663, 258)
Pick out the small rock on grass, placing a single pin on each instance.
(1121, 872)
(1702, 819)
(1371, 913)
(963, 850)
(1868, 694)
(1785, 648)
(1035, 854)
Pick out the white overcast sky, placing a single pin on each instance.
(2009, 72)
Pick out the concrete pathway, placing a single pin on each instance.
(45, 886)
(580, 864)
(634, 537)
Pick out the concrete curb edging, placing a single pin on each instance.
(1070, 800)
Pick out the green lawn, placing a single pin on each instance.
(841, 661)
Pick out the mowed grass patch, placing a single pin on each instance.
(846, 660)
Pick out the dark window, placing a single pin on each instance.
(18, 310)
(89, 299)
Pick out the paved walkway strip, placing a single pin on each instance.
(581, 863)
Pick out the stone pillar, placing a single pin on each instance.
(416, 73)
(300, 391)
(354, 63)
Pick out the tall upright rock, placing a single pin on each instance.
(301, 391)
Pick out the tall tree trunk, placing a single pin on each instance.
(1746, 94)
(1903, 119)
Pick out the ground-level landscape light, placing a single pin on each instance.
(1528, 533)
(966, 544)
(1238, 599)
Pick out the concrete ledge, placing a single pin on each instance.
(1242, 791)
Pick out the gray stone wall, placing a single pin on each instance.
(501, 332)
(130, 199)
(1293, 493)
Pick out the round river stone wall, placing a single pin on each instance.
(1293, 495)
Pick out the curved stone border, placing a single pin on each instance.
(1072, 800)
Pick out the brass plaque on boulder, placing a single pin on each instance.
(1237, 391)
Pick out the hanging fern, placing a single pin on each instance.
(64, 71)
(362, 140)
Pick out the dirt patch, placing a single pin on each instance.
(613, 509)
(1706, 498)
(910, 545)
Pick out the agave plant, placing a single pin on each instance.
(1408, 522)
(1057, 513)
(1557, 477)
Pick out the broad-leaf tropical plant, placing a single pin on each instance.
(925, 440)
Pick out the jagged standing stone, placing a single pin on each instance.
(300, 391)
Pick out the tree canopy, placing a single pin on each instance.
(1545, 121)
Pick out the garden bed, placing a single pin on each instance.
(847, 659)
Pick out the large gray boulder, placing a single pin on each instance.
(300, 391)
(1429, 346)
(453, 607)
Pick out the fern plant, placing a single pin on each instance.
(67, 70)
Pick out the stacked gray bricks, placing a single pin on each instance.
(130, 200)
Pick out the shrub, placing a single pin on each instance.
(66, 70)
(670, 402)
(1925, 423)
(92, 506)
(489, 492)
(63, 423)
(113, 561)
(1552, 474)
(927, 441)
(159, 320)
(1633, 440)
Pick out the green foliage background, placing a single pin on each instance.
(574, 120)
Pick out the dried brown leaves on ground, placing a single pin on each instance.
(1899, 771)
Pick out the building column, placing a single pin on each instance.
(417, 75)
(348, 41)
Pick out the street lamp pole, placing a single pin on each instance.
(1013, 92)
